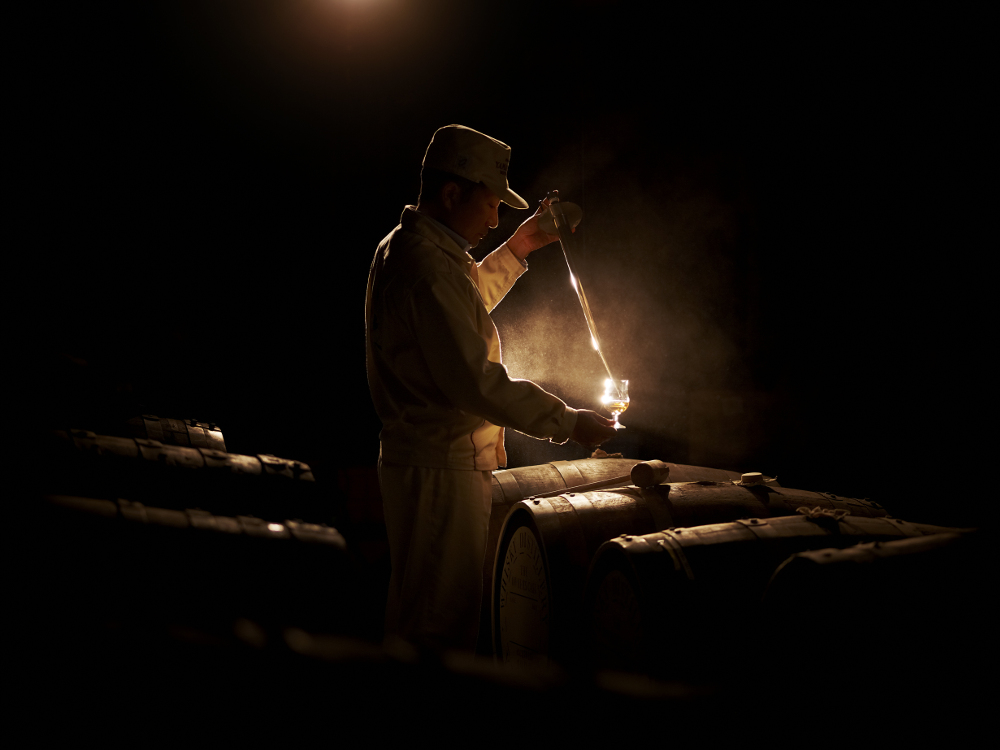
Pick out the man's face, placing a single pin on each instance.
(476, 216)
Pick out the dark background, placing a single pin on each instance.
(201, 186)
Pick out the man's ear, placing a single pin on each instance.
(451, 195)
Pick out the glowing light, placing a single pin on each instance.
(275, 527)
(593, 343)
(615, 399)
(572, 280)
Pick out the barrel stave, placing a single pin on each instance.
(513, 485)
(183, 432)
(602, 515)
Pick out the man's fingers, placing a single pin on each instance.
(592, 429)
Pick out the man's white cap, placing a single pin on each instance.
(475, 156)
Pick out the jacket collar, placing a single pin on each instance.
(414, 221)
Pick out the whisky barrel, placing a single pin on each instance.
(510, 486)
(677, 600)
(82, 463)
(925, 603)
(189, 433)
(120, 560)
(546, 544)
(893, 582)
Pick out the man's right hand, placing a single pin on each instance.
(592, 429)
(529, 236)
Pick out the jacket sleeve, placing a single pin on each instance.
(447, 316)
(497, 273)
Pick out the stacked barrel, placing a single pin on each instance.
(161, 527)
(682, 571)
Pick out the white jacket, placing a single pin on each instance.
(434, 365)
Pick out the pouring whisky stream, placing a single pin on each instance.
(563, 217)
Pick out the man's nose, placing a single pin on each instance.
(495, 218)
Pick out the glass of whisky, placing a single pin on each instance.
(615, 398)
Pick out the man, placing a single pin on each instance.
(440, 389)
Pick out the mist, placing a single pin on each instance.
(664, 254)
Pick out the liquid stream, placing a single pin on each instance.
(563, 230)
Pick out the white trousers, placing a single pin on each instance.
(437, 522)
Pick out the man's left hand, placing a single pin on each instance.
(529, 236)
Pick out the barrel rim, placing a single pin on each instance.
(503, 539)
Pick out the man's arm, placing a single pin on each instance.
(591, 429)
(446, 327)
(529, 236)
(497, 273)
